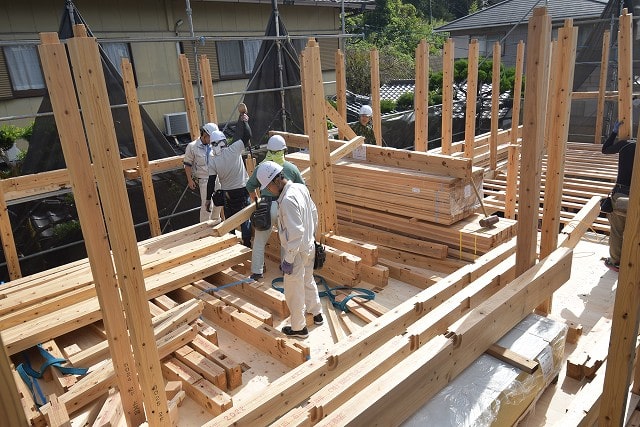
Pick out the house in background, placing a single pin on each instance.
(151, 33)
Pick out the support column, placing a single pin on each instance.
(207, 88)
(602, 87)
(495, 107)
(625, 74)
(472, 99)
(421, 98)
(517, 94)
(341, 88)
(189, 97)
(375, 95)
(447, 97)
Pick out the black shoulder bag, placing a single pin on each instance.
(320, 256)
(261, 217)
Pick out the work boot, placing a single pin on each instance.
(317, 319)
(302, 333)
(257, 277)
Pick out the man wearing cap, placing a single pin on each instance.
(228, 166)
(297, 222)
(364, 127)
(197, 157)
(276, 149)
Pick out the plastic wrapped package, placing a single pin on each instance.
(493, 393)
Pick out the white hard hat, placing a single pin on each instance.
(266, 172)
(217, 136)
(366, 110)
(209, 128)
(276, 143)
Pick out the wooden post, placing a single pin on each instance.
(10, 406)
(100, 131)
(472, 99)
(626, 315)
(141, 147)
(189, 97)
(495, 106)
(554, 67)
(375, 95)
(447, 97)
(8, 241)
(560, 107)
(535, 101)
(625, 74)
(512, 182)
(421, 97)
(517, 94)
(207, 90)
(341, 88)
(321, 172)
(74, 146)
(602, 87)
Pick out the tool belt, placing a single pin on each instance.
(320, 256)
(621, 188)
(261, 217)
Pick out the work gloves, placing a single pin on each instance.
(286, 267)
(616, 127)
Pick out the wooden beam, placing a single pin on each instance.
(472, 99)
(602, 85)
(207, 89)
(560, 105)
(421, 97)
(8, 242)
(495, 106)
(74, 145)
(538, 42)
(141, 147)
(625, 74)
(189, 98)
(102, 140)
(374, 59)
(447, 96)
(339, 121)
(511, 193)
(517, 93)
(10, 404)
(341, 89)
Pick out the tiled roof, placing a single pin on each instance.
(348, 4)
(395, 88)
(510, 12)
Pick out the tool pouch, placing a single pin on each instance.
(320, 256)
(261, 217)
(606, 205)
(218, 198)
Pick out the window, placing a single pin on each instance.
(486, 42)
(236, 58)
(23, 67)
(115, 52)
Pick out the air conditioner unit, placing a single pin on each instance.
(176, 123)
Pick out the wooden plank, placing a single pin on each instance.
(203, 366)
(517, 92)
(341, 88)
(374, 62)
(447, 96)
(538, 41)
(207, 90)
(513, 358)
(55, 413)
(232, 369)
(11, 404)
(189, 98)
(602, 86)
(495, 106)
(8, 242)
(141, 148)
(421, 97)
(74, 145)
(111, 411)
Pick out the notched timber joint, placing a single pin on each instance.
(332, 362)
(457, 339)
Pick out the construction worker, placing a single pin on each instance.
(626, 150)
(197, 157)
(276, 149)
(297, 222)
(364, 127)
(228, 166)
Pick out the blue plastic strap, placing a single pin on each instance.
(33, 385)
(228, 285)
(50, 360)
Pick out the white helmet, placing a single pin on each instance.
(266, 172)
(276, 143)
(209, 128)
(217, 136)
(366, 110)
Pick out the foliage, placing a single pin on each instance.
(393, 66)
(405, 101)
(10, 133)
(387, 106)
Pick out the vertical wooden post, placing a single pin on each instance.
(10, 405)
(625, 74)
(57, 72)
(535, 101)
(101, 136)
(511, 194)
(207, 90)
(189, 97)
(554, 69)
(626, 314)
(421, 97)
(560, 115)
(375, 95)
(341, 88)
(472, 99)
(321, 172)
(447, 97)
(304, 66)
(495, 106)
(8, 242)
(141, 147)
(602, 87)
(517, 94)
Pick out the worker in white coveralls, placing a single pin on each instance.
(297, 222)
(276, 149)
(197, 157)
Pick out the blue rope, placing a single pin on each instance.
(332, 292)
(228, 285)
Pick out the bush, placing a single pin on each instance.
(405, 102)
(387, 106)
